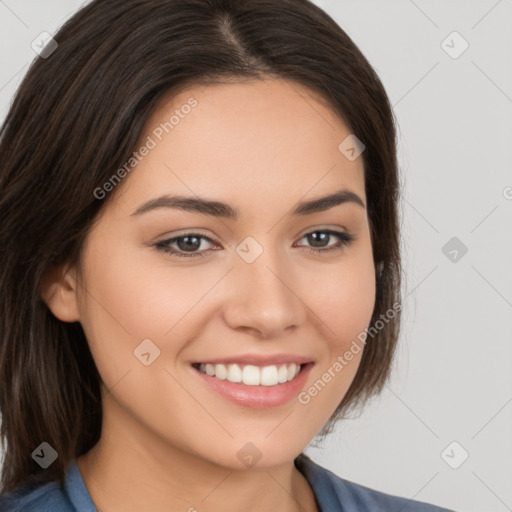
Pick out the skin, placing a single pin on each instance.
(168, 441)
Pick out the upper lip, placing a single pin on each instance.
(259, 360)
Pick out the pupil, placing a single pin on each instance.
(185, 246)
(315, 237)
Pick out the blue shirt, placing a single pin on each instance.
(332, 493)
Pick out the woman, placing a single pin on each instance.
(200, 259)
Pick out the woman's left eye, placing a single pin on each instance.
(184, 242)
(186, 245)
(344, 239)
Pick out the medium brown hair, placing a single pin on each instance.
(77, 117)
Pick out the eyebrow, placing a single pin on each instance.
(223, 210)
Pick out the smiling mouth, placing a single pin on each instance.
(252, 375)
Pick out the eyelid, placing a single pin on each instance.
(323, 228)
(187, 232)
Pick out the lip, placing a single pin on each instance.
(257, 397)
(259, 360)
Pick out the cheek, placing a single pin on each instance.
(143, 299)
(344, 304)
(347, 304)
(344, 298)
(132, 296)
(123, 304)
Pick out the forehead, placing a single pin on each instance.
(244, 143)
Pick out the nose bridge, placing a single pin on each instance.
(264, 300)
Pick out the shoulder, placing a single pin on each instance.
(335, 493)
(48, 497)
(71, 495)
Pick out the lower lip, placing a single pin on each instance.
(257, 397)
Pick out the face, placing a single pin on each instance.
(165, 288)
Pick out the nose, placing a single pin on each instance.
(264, 298)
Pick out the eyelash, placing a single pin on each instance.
(345, 239)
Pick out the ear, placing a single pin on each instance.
(59, 289)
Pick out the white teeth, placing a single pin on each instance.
(221, 371)
(269, 376)
(252, 375)
(234, 373)
(282, 374)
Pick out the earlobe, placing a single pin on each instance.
(59, 290)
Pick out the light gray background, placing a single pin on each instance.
(453, 380)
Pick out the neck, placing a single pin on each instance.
(152, 475)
